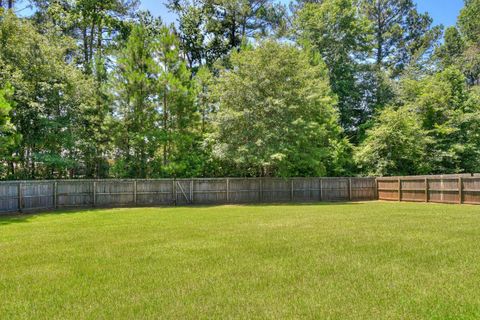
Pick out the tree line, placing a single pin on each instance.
(99, 88)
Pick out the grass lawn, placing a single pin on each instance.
(341, 261)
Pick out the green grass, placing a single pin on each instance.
(341, 261)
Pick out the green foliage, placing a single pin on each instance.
(210, 29)
(137, 137)
(94, 88)
(469, 24)
(439, 117)
(48, 97)
(157, 130)
(334, 29)
(276, 114)
(450, 53)
(395, 145)
(449, 113)
(9, 139)
(401, 34)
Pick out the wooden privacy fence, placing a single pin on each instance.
(23, 196)
(463, 188)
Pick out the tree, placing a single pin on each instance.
(436, 129)
(137, 136)
(49, 96)
(401, 33)
(395, 145)
(99, 27)
(211, 29)
(449, 113)
(469, 25)
(9, 139)
(335, 30)
(402, 37)
(451, 52)
(276, 114)
(179, 115)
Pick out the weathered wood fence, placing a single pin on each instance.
(24, 196)
(464, 188)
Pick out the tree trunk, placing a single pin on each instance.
(165, 120)
(85, 50)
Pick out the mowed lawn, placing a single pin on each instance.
(340, 261)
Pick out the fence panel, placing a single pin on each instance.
(471, 190)
(74, 193)
(335, 189)
(413, 190)
(277, 190)
(243, 190)
(363, 189)
(461, 188)
(37, 195)
(209, 191)
(41, 195)
(9, 197)
(155, 192)
(114, 193)
(306, 189)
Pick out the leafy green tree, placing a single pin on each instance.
(395, 145)
(451, 51)
(211, 29)
(276, 114)
(402, 38)
(49, 95)
(401, 33)
(469, 24)
(203, 81)
(435, 130)
(179, 113)
(449, 113)
(137, 136)
(9, 139)
(342, 37)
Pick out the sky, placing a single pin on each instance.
(442, 11)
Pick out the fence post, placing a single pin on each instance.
(55, 195)
(349, 189)
(426, 189)
(377, 194)
(460, 190)
(228, 190)
(399, 189)
(292, 196)
(261, 190)
(321, 189)
(20, 197)
(135, 191)
(191, 191)
(174, 191)
(94, 193)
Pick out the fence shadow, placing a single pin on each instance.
(16, 218)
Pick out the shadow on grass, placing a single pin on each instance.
(13, 218)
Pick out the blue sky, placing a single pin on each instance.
(443, 11)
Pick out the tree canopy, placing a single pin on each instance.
(98, 89)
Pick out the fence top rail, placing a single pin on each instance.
(179, 179)
(432, 177)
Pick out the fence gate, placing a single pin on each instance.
(183, 192)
